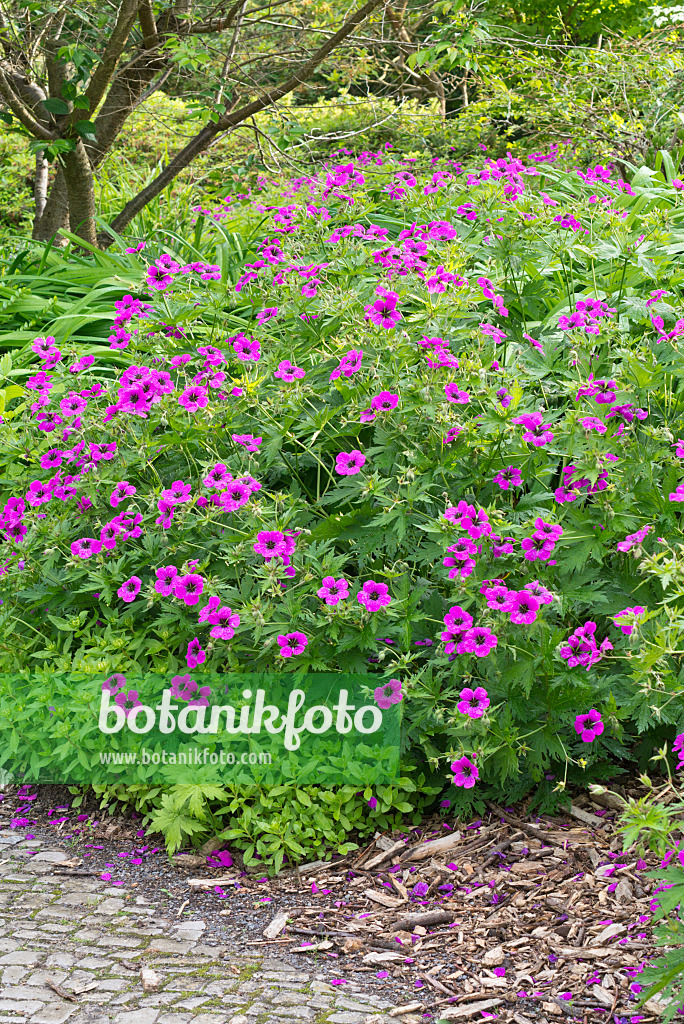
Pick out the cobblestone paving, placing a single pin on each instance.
(78, 934)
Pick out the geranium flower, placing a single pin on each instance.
(86, 547)
(350, 463)
(388, 694)
(291, 644)
(523, 607)
(478, 640)
(128, 701)
(508, 477)
(188, 588)
(129, 590)
(122, 490)
(195, 655)
(224, 623)
(193, 398)
(288, 372)
(333, 591)
(473, 703)
(374, 596)
(454, 394)
(384, 402)
(166, 577)
(589, 726)
(465, 773)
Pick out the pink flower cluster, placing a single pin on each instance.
(581, 648)
(461, 637)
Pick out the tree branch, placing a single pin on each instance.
(148, 25)
(21, 113)
(205, 137)
(105, 69)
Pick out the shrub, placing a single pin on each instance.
(459, 392)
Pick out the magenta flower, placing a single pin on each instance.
(374, 596)
(473, 703)
(349, 463)
(630, 615)
(86, 547)
(333, 591)
(589, 726)
(478, 640)
(523, 607)
(127, 701)
(384, 402)
(465, 773)
(388, 694)
(288, 372)
(166, 510)
(193, 398)
(224, 623)
(166, 577)
(247, 441)
(195, 655)
(264, 315)
(678, 749)
(383, 312)
(593, 423)
(217, 477)
(129, 590)
(454, 394)
(234, 496)
(177, 493)
(508, 477)
(271, 544)
(291, 644)
(350, 363)
(114, 683)
(183, 687)
(537, 548)
(188, 588)
(457, 620)
(122, 490)
(581, 647)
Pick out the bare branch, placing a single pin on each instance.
(21, 112)
(205, 137)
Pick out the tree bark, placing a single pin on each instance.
(56, 213)
(78, 175)
(40, 187)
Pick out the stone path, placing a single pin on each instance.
(78, 934)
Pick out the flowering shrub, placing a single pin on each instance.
(415, 422)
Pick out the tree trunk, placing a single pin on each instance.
(56, 213)
(80, 185)
(40, 187)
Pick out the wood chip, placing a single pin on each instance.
(461, 1012)
(437, 846)
(382, 898)
(150, 980)
(384, 855)
(62, 993)
(275, 927)
(399, 1011)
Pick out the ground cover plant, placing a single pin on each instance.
(417, 421)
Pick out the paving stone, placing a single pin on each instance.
(54, 1013)
(21, 956)
(110, 906)
(293, 1012)
(192, 1002)
(290, 998)
(94, 962)
(26, 1007)
(119, 941)
(138, 1017)
(52, 856)
(170, 946)
(13, 975)
(176, 1018)
(346, 1017)
(27, 992)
